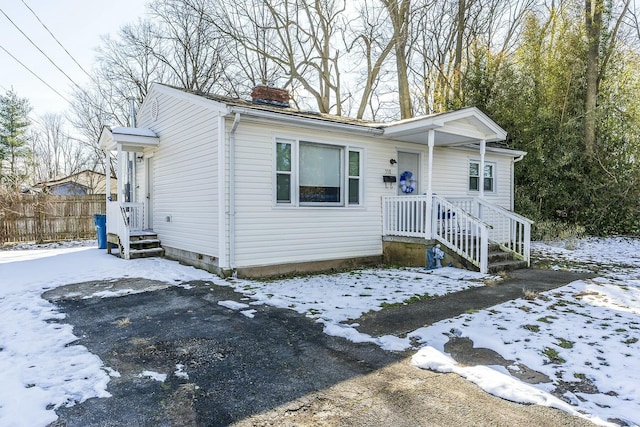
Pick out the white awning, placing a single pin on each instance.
(129, 139)
(460, 127)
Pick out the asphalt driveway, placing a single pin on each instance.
(229, 366)
(273, 369)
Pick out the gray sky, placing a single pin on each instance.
(77, 24)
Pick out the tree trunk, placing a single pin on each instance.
(399, 13)
(593, 24)
(457, 63)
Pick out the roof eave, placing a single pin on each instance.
(306, 121)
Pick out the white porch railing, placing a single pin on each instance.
(122, 218)
(460, 231)
(464, 225)
(508, 229)
(405, 216)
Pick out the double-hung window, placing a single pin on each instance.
(315, 174)
(283, 171)
(488, 179)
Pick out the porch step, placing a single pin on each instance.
(503, 261)
(145, 245)
(141, 245)
(144, 253)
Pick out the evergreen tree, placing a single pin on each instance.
(14, 122)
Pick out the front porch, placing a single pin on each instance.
(476, 231)
(128, 219)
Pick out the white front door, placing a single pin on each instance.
(149, 195)
(408, 173)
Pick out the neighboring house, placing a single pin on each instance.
(258, 188)
(84, 182)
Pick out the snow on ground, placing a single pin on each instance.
(584, 336)
(41, 368)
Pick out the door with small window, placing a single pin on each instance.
(411, 214)
(408, 173)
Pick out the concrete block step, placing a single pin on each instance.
(508, 265)
(499, 256)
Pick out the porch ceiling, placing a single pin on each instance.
(129, 139)
(460, 127)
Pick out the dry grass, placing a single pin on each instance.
(529, 294)
(122, 323)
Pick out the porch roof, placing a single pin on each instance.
(129, 139)
(454, 128)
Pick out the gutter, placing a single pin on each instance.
(232, 191)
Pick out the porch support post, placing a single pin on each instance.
(107, 174)
(119, 175)
(431, 140)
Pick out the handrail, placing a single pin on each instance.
(122, 218)
(504, 211)
(510, 230)
(465, 225)
(461, 232)
(117, 224)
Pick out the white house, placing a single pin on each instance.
(258, 188)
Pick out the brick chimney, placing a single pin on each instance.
(270, 95)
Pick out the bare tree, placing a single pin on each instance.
(451, 34)
(299, 37)
(129, 63)
(400, 16)
(372, 43)
(55, 153)
(187, 44)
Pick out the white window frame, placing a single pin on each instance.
(481, 182)
(291, 172)
(294, 189)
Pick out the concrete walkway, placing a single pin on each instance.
(404, 319)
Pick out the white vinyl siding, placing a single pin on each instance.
(451, 175)
(192, 186)
(185, 175)
(270, 233)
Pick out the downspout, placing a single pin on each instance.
(131, 157)
(232, 191)
(483, 151)
(513, 182)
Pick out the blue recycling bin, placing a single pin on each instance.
(101, 230)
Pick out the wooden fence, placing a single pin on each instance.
(46, 218)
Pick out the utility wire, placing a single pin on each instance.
(37, 76)
(58, 41)
(41, 51)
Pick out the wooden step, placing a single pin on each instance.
(145, 242)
